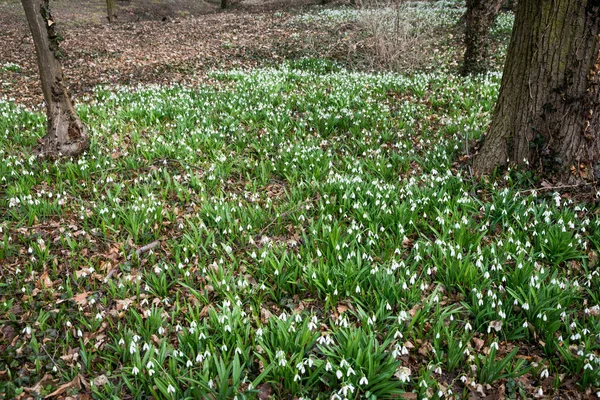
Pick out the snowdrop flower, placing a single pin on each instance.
(363, 381)
(135, 371)
(170, 389)
(403, 374)
(347, 388)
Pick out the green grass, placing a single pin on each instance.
(318, 239)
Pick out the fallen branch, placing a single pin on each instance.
(145, 249)
(543, 188)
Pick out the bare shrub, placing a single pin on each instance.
(400, 35)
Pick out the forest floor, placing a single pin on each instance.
(266, 212)
(144, 48)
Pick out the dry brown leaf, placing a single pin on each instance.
(100, 380)
(478, 344)
(264, 391)
(75, 383)
(81, 298)
(124, 304)
(71, 356)
(496, 325)
(46, 380)
(44, 281)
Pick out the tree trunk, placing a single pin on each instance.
(509, 5)
(548, 112)
(479, 18)
(110, 10)
(65, 134)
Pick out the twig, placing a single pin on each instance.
(52, 358)
(283, 215)
(556, 187)
(145, 249)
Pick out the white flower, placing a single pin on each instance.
(170, 389)
(135, 371)
(363, 381)
(403, 374)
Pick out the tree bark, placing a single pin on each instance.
(66, 135)
(479, 17)
(110, 10)
(548, 112)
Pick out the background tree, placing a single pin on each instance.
(548, 112)
(65, 134)
(110, 10)
(479, 17)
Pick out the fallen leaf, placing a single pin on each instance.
(81, 298)
(100, 380)
(496, 325)
(409, 396)
(123, 304)
(75, 383)
(264, 391)
(46, 380)
(44, 281)
(478, 343)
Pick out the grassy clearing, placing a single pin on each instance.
(302, 231)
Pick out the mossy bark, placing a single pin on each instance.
(479, 18)
(548, 112)
(66, 135)
(110, 10)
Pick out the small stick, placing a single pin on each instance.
(146, 248)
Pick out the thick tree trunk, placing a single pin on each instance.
(479, 18)
(110, 10)
(65, 135)
(510, 5)
(548, 112)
